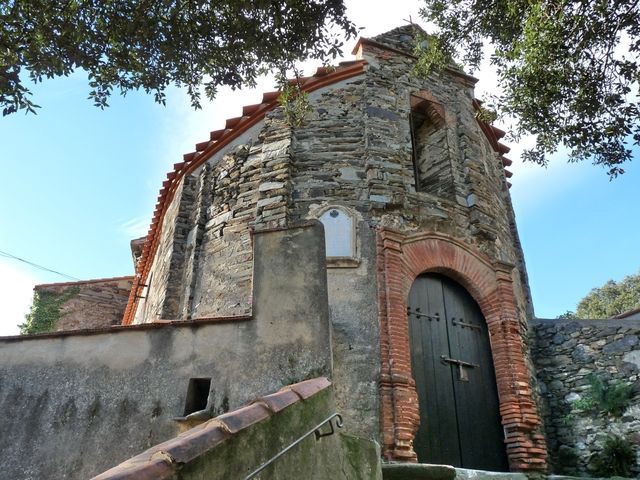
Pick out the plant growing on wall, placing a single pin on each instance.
(617, 458)
(294, 101)
(606, 397)
(45, 311)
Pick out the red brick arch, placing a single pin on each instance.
(401, 258)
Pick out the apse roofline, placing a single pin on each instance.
(234, 128)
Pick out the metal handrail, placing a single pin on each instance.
(316, 430)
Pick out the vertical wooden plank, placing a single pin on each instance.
(437, 438)
(481, 435)
(461, 348)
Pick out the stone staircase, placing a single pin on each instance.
(423, 471)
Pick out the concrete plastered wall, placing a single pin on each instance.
(272, 438)
(335, 456)
(76, 404)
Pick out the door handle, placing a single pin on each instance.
(462, 366)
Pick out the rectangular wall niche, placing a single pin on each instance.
(197, 395)
(431, 156)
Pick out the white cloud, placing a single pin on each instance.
(16, 293)
(135, 227)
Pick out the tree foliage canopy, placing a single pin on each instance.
(613, 298)
(151, 44)
(569, 69)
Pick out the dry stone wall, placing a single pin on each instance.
(354, 149)
(155, 292)
(566, 353)
(203, 266)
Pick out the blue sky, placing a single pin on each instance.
(80, 183)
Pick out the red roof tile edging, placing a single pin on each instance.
(251, 115)
(161, 461)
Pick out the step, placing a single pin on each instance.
(468, 474)
(425, 471)
(417, 471)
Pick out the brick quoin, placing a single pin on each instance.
(401, 258)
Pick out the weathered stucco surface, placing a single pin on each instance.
(292, 433)
(76, 404)
(566, 352)
(336, 456)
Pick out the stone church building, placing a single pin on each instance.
(373, 244)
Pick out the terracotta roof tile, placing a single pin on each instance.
(157, 468)
(494, 134)
(251, 115)
(244, 417)
(307, 389)
(280, 400)
(162, 460)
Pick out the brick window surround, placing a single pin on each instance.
(401, 258)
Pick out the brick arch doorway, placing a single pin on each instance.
(453, 370)
(401, 258)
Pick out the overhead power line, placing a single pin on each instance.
(9, 255)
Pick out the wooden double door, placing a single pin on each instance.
(455, 379)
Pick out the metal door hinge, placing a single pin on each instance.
(417, 313)
(464, 324)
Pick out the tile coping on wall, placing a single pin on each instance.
(160, 461)
(82, 282)
(584, 322)
(196, 322)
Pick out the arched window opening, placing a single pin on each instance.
(431, 159)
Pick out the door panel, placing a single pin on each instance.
(460, 421)
(435, 388)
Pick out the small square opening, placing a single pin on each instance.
(197, 395)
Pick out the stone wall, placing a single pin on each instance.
(353, 151)
(97, 303)
(172, 239)
(566, 352)
(77, 403)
